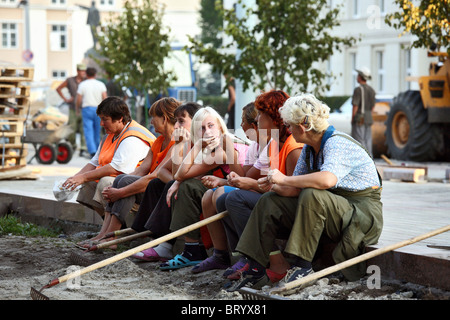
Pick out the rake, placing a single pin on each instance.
(81, 260)
(38, 295)
(298, 284)
(118, 233)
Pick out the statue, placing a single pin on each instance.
(93, 19)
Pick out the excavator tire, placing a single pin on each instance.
(409, 136)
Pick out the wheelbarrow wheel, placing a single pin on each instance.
(65, 152)
(46, 154)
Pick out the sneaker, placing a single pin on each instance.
(250, 281)
(296, 273)
(241, 265)
(210, 263)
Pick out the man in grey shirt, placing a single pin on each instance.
(363, 102)
(75, 121)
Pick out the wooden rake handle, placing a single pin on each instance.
(118, 233)
(358, 259)
(120, 240)
(140, 248)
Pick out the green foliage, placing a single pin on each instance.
(334, 102)
(10, 224)
(134, 45)
(211, 20)
(219, 103)
(428, 21)
(281, 48)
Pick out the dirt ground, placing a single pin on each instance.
(33, 262)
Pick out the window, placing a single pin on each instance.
(9, 35)
(382, 7)
(59, 74)
(355, 8)
(406, 71)
(380, 70)
(7, 1)
(107, 3)
(354, 83)
(58, 37)
(59, 2)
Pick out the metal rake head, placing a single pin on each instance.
(38, 295)
(252, 294)
(79, 259)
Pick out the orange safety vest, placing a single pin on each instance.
(108, 146)
(278, 158)
(158, 153)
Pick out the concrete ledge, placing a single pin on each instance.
(32, 207)
(418, 269)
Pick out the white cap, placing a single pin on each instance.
(364, 72)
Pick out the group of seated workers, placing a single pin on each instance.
(294, 178)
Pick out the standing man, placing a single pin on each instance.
(363, 102)
(75, 121)
(91, 93)
(231, 102)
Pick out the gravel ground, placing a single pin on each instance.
(32, 262)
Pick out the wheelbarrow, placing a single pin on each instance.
(50, 145)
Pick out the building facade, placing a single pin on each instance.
(380, 48)
(53, 35)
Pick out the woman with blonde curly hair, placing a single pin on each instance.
(334, 192)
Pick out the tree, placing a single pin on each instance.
(133, 47)
(281, 48)
(428, 21)
(211, 20)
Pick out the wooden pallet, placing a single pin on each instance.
(14, 107)
(15, 74)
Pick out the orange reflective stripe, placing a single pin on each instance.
(108, 147)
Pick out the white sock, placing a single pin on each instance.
(164, 250)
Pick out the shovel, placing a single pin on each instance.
(38, 295)
(250, 294)
(81, 260)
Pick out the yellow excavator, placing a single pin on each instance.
(418, 123)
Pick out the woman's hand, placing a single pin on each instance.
(237, 181)
(211, 181)
(173, 190)
(181, 134)
(211, 143)
(264, 185)
(73, 182)
(111, 194)
(275, 177)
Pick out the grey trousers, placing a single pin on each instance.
(122, 207)
(363, 134)
(239, 204)
(91, 194)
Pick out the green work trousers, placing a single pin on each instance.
(352, 220)
(187, 208)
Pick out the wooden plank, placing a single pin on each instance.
(405, 174)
